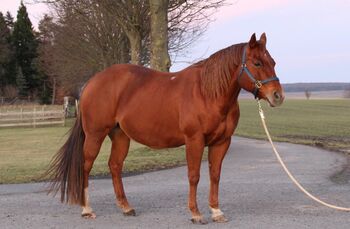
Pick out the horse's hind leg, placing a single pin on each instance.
(92, 146)
(120, 148)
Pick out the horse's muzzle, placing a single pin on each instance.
(276, 98)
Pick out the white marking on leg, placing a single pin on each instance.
(86, 209)
(197, 217)
(215, 212)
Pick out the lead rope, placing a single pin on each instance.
(262, 116)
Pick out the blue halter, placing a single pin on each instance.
(257, 83)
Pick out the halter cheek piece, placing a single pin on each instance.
(257, 83)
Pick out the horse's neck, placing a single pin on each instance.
(224, 101)
(234, 84)
(229, 98)
(235, 88)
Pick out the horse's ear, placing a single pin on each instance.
(263, 39)
(252, 41)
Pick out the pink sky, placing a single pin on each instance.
(35, 11)
(246, 7)
(308, 39)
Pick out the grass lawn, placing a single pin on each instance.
(25, 152)
(322, 123)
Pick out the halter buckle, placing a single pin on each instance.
(258, 84)
(244, 65)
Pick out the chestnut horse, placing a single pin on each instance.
(196, 107)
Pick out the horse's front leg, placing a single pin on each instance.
(194, 153)
(215, 157)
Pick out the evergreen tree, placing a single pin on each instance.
(5, 51)
(11, 67)
(7, 55)
(21, 82)
(46, 41)
(9, 21)
(25, 44)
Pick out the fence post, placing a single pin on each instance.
(43, 112)
(34, 115)
(77, 107)
(64, 118)
(66, 105)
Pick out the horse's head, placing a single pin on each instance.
(258, 74)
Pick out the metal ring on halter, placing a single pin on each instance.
(258, 84)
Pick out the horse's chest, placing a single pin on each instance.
(224, 128)
(223, 131)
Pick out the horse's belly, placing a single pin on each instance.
(155, 136)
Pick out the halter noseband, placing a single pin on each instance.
(257, 83)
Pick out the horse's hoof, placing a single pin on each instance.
(220, 219)
(89, 215)
(130, 212)
(199, 220)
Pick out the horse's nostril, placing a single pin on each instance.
(277, 95)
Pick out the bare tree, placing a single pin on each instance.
(86, 40)
(46, 39)
(347, 92)
(133, 18)
(90, 35)
(160, 58)
(307, 94)
(188, 20)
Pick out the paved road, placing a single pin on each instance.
(255, 193)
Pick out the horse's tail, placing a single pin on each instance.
(66, 170)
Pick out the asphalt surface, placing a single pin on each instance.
(255, 193)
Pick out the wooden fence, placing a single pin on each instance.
(35, 117)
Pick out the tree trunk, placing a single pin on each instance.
(135, 47)
(53, 91)
(124, 50)
(160, 59)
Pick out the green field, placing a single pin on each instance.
(26, 152)
(322, 123)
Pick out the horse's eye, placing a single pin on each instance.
(258, 64)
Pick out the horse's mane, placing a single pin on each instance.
(216, 70)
